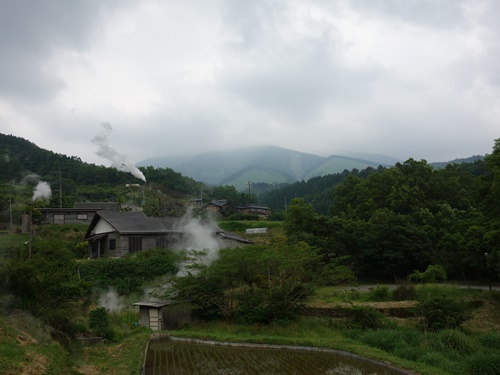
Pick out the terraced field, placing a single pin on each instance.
(177, 357)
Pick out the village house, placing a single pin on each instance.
(216, 206)
(256, 210)
(116, 234)
(81, 213)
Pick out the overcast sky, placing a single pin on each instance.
(413, 78)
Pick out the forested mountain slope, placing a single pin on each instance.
(318, 191)
(263, 164)
(24, 165)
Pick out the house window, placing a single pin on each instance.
(112, 244)
(58, 218)
(82, 216)
(134, 244)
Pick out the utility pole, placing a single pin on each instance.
(31, 234)
(60, 188)
(249, 191)
(60, 185)
(10, 210)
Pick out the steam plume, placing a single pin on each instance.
(42, 191)
(117, 160)
(199, 235)
(111, 301)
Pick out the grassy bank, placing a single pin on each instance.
(26, 345)
(444, 352)
(472, 349)
(125, 357)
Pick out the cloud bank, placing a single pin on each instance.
(403, 78)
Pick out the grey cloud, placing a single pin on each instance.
(248, 21)
(435, 13)
(32, 32)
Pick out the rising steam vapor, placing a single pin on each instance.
(111, 301)
(117, 160)
(199, 234)
(42, 191)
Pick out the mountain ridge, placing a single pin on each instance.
(268, 164)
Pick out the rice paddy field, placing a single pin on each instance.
(167, 356)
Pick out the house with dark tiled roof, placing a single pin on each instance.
(216, 206)
(116, 234)
(81, 213)
(256, 210)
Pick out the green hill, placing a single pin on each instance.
(268, 164)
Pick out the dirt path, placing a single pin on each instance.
(368, 287)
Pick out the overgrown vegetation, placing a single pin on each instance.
(128, 274)
(408, 223)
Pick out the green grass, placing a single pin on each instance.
(450, 290)
(26, 348)
(11, 244)
(307, 332)
(125, 357)
(333, 294)
(444, 352)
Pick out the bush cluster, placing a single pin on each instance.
(100, 325)
(127, 275)
(442, 312)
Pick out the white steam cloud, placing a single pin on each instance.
(199, 234)
(117, 160)
(111, 301)
(42, 191)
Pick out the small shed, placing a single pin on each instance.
(160, 315)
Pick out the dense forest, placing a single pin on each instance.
(388, 221)
(23, 165)
(407, 222)
(389, 224)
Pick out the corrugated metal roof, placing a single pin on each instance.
(158, 303)
(105, 206)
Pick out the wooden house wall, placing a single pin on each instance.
(69, 217)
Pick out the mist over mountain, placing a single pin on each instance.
(269, 164)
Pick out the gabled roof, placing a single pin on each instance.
(133, 222)
(137, 222)
(158, 303)
(217, 202)
(83, 207)
(105, 206)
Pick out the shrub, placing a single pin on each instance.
(99, 323)
(405, 292)
(333, 274)
(353, 295)
(260, 307)
(441, 312)
(432, 273)
(380, 293)
(128, 274)
(364, 317)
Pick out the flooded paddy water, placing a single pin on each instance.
(173, 356)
